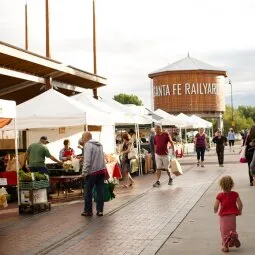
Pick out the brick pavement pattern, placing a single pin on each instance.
(145, 224)
(137, 222)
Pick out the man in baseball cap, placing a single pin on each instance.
(36, 154)
(44, 140)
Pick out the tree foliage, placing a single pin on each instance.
(128, 99)
(242, 119)
(247, 111)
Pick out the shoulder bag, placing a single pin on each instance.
(132, 154)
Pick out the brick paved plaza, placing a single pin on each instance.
(175, 219)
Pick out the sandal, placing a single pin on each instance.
(131, 184)
(87, 214)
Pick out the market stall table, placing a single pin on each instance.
(66, 179)
(11, 178)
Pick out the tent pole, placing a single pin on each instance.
(185, 132)
(139, 150)
(17, 158)
(209, 133)
(137, 145)
(114, 135)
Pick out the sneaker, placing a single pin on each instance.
(198, 163)
(100, 214)
(170, 182)
(86, 214)
(156, 184)
(222, 165)
(202, 165)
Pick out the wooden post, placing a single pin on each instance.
(26, 28)
(47, 29)
(48, 83)
(94, 47)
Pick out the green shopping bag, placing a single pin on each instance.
(108, 192)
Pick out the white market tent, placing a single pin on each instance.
(133, 117)
(115, 114)
(204, 123)
(142, 111)
(169, 119)
(189, 122)
(53, 109)
(8, 111)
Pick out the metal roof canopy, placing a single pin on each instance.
(20, 69)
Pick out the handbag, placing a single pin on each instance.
(132, 154)
(176, 167)
(243, 153)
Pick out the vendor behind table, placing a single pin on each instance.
(67, 152)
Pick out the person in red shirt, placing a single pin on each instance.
(67, 152)
(230, 206)
(161, 141)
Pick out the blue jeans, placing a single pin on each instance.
(200, 154)
(90, 182)
(40, 169)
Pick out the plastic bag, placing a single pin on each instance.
(242, 155)
(76, 164)
(176, 167)
(3, 197)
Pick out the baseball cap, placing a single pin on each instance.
(44, 138)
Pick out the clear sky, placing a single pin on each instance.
(136, 37)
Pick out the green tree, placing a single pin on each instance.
(247, 111)
(241, 121)
(128, 99)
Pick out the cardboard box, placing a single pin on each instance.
(7, 144)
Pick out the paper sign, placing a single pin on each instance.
(3, 181)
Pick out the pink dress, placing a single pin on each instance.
(228, 213)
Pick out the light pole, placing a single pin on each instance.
(232, 107)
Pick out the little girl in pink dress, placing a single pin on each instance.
(230, 206)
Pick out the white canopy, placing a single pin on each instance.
(7, 109)
(189, 122)
(115, 113)
(128, 112)
(204, 123)
(169, 119)
(142, 111)
(53, 109)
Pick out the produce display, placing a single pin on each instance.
(67, 165)
(27, 177)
